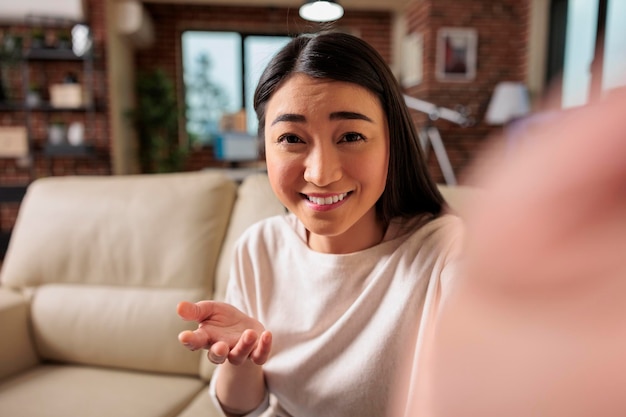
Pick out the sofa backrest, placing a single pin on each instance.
(143, 230)
(255, 201)
(109, 257)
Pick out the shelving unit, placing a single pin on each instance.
(46, 65)
(39, 58)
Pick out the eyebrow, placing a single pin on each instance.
(350, 115)
(339, 115)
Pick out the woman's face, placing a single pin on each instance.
(327, 152)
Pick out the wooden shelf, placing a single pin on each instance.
(47, 108)
(12, 193)
(52, 54)
(67, 150)
(11, 106)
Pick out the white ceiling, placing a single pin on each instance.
(394, 5)
(17, 10)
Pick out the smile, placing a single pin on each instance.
(322, 201)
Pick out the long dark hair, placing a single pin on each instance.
(409, 190)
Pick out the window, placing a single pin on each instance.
(592, 31)
(220, 73)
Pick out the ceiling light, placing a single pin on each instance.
(321, 10)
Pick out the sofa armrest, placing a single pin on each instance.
(17, 352)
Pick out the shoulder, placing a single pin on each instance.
(446, 228)
(434, 244)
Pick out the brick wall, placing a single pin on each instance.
(502, 29)
(15, 172)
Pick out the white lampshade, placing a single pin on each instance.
(509, 101)
(321, 10)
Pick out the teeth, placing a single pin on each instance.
(320, 201)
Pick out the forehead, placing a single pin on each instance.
(304, 94)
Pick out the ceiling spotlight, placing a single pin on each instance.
(321, 10)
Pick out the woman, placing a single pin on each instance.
(324, 301)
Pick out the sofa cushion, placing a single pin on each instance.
(255, 201)
(458, 197)
(131, 328)
(162, 230)
(64, 391)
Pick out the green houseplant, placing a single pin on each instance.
(156, 121)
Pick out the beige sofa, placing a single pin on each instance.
(90, 283)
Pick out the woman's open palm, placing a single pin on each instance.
(226, 332)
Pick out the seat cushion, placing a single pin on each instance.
(130, 328)
(63, 391)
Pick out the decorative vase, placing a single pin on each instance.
(56, 134)
(76, 133)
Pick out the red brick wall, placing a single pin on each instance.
(46, 73)
(502, 28)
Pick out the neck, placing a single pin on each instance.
(355, 239)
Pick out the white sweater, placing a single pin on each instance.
(340, 323)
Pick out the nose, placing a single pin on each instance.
(323, 165)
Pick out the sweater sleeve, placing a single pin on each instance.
(257, 412)
(236, 297)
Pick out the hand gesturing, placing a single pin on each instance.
(225, 332)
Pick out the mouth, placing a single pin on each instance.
(326, 200)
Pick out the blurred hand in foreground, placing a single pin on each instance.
(535, 324)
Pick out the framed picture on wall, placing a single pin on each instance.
(456, 54)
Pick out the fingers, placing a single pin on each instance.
(195, 311)
(250, 346)
(218, 353)
(193, 340)
(262, 351)
(243, 348)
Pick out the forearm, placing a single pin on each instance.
(240, 389)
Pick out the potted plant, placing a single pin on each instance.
(64, 39)
(156, 120)
(33, 96)
(37, 38)
(10, 54)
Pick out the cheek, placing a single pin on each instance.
(377, 168)
(281, 174)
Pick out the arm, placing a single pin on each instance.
(238, 342)
(536, 323)
(17, 349)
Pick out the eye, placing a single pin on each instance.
(352, 137)
(289, 138)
